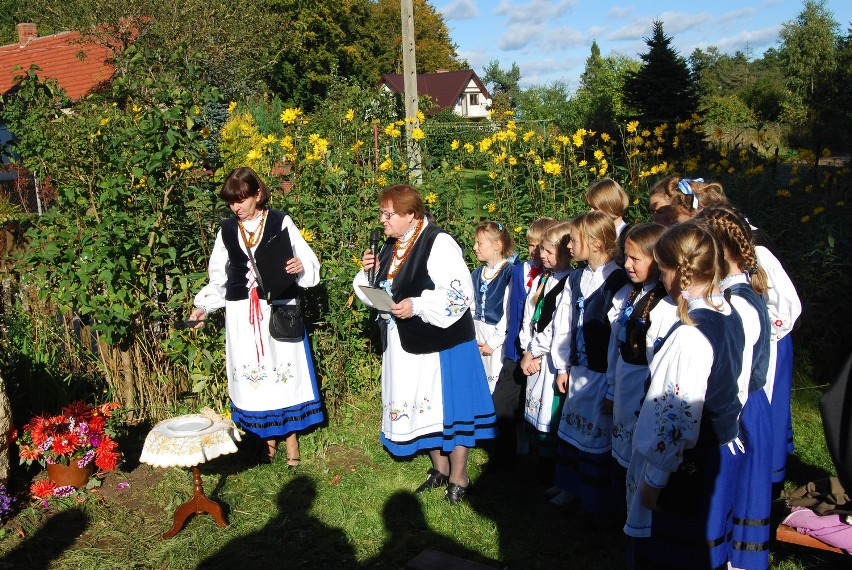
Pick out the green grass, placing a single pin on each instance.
(348, 505)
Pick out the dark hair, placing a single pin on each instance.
(241, 183)
(405, 200)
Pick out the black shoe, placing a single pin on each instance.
(434, 480)
(456, 493)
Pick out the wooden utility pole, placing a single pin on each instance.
(409, 74)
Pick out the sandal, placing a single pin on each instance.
(293, 458)
(267, 452)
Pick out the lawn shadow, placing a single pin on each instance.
(49, 542)
(292, 539)
(410, 534)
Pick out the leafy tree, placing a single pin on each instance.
(600, 97)
(662, 89)
(434, 48)
(551, 104)
(8, 19)
(808, 54)
(504, 84)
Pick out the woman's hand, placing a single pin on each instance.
(198, 314)
(368, 260)
(485, 350)
(294, 266)
(404, 309)
(650, 496)
(562, 382)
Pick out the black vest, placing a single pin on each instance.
(760, 354)
(238, 261)
(596, 325)
(416, 335)
(633, 349)
(548, 303)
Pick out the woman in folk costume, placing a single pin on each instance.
(744, 283)
(682, 475)
(491, 288)
(543, 402)
(581, 332)
(434, 392)
(272, 385)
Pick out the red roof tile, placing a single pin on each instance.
(77, 66)
(444, 88)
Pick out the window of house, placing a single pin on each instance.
(473, 99)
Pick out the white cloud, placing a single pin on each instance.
(533, 11)
(637, 29)
(676, 22)
(564, 38)
(619, 12)
(755, 41)
(460, 10)
(518, 36)
(736, 15)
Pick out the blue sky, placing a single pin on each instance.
(551, 39)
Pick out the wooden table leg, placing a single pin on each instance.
(195, 506)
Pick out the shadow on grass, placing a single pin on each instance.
(48, 543)
(410, 535)
(292, 539)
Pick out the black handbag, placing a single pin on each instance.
(285, 321)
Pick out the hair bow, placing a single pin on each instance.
(687, 190)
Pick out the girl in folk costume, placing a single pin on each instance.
(581, 332)
(682, 475)
(607, 196)
(675, 199)
(744, 283)
(491, 289)
(271, 384)
(646, 317)
(508, 394)
(434, 391)
(542, 403)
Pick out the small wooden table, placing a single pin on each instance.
(188, 441)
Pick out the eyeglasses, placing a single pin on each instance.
(385, 215)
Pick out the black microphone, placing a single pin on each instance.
(374, 249)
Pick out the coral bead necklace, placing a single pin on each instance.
(399, 257)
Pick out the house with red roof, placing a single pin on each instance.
(462, 91)
(78, 66)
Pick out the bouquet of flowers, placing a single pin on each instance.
(80, 435)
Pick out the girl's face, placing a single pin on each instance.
(640, 266)
(671, 281)
(577, 247)
(661, 209)
(549, 258)
(246, 208)
(534, 254)
(486, 249)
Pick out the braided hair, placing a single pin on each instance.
(693, 252)
(735, 235)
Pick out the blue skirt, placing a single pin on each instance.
(782, 420)
(693, 527)
(467, 406)
(753, 501)
(589, 477)
(269, 424)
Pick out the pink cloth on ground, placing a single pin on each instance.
(829, 529)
